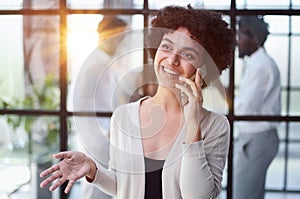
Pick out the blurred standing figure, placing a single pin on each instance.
(95, 90)
(259, 94)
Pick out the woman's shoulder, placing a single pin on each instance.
(213, 116)
(128, 109)
(214, 123)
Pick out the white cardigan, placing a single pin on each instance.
(191, 171)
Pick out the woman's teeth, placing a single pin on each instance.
(170, 71)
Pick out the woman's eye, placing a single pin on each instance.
(187, 55)
(165, 47)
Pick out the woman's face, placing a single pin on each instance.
(177, 55)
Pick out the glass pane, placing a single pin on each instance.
(294, 131)
(277, 24)
(273, 43)
(281, 130)
(87, 4)
(154, 4)
(11, 4)
(266, 4)
(296, 4)
(30, 62)
(284, 102)
(73, 138)
(109, 62)
(296, 20)
(41, 62)
(89, 135)
(275, 173)
(28, 4)
(215, 4)
(213, 100)
(293, 175)
(294, 103)
(238, 69)
(28, 145)
(295, 61)
(211, 4)
(12, 85)
(96, 4)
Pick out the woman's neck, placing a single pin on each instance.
(169, 99)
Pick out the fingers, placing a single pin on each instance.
(192, 88)
(51, 178)
(69, 186)
(58, 183)
(49, 171)
(62, 155)
(198, 78)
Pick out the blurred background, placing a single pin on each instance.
(43, 44)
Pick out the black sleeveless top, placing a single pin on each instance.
(153, 182)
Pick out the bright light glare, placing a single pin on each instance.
(82, 39)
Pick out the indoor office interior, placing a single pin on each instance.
(44, 43)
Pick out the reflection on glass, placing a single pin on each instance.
(31, 138)
(12, 86)
(29, 62)
(26, 147)
(293, 175)
(266, 4)
(86, 59)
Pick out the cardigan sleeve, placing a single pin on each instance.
(106, 179)
(203, 163)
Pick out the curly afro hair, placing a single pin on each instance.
(207, 27)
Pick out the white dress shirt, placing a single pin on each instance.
(259, 92)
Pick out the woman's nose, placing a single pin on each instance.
(174, 59)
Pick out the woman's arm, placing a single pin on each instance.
(203, 163)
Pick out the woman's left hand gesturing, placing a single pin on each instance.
(192, 105)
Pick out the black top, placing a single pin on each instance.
(153, 182)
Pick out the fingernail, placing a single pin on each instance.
(181, 78)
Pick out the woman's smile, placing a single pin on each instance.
(170, 71)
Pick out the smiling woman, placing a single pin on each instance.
(183, 144)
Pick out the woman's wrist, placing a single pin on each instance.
(92, 171)
(193, 135)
